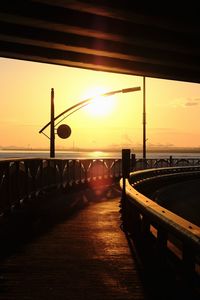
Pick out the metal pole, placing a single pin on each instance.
(144, 119)
(81, 104)
(125, 175)
(52, 129)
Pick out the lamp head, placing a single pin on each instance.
(133, 89)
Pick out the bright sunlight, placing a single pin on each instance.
(100, 105)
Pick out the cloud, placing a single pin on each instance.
(193, 102)
(185, 102)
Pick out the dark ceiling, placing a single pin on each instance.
(114, 36)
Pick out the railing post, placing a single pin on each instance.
(125, 168)
(7, 208)
(170, 161)
(161, 242)
(145, 228)
(188, 260)
(17, 186)
(133, 162)
(126, 163)
(144, 163)
(125, 174)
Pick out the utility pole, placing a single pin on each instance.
(52, 129)
(144, 118)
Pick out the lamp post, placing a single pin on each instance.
(52, 130)
(72, 110)
(144, 119)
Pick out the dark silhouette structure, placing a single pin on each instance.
(115, 36)
(147, 39)
(61, 235)
(65, 130)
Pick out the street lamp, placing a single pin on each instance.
(144, 119)
(71, 110)
(52, 129)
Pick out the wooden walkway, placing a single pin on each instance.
(81, 256)
(71, 247)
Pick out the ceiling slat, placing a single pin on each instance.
(103, 35)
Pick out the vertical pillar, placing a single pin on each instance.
(125, 174)
(133, 162)
(52, 129)
(170, 161)
(125, 163)
(188, 261)
(144, 119)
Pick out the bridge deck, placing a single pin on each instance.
(82, 256)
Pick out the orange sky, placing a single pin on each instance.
(173, 108)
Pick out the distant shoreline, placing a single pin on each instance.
(150, 150)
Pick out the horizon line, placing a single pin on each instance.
(133, 149)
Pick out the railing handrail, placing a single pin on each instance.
(141, 176)
(143, 218)
(175, 224)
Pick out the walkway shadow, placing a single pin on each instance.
(38, 217)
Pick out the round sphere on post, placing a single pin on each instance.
(64, 131)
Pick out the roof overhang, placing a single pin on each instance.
(103, 35)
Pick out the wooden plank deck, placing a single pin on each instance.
(80, 256)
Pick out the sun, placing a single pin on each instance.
(100, 105)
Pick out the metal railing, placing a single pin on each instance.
(25, 179)
(22, 180)
(151, 163)
(144, 221)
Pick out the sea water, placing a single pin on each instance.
(91, 154)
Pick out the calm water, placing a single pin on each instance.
(91, 154)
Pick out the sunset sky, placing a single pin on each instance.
(173, 108)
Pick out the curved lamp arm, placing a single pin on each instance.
(87, 101)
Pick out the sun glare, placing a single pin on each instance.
(100, 105)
